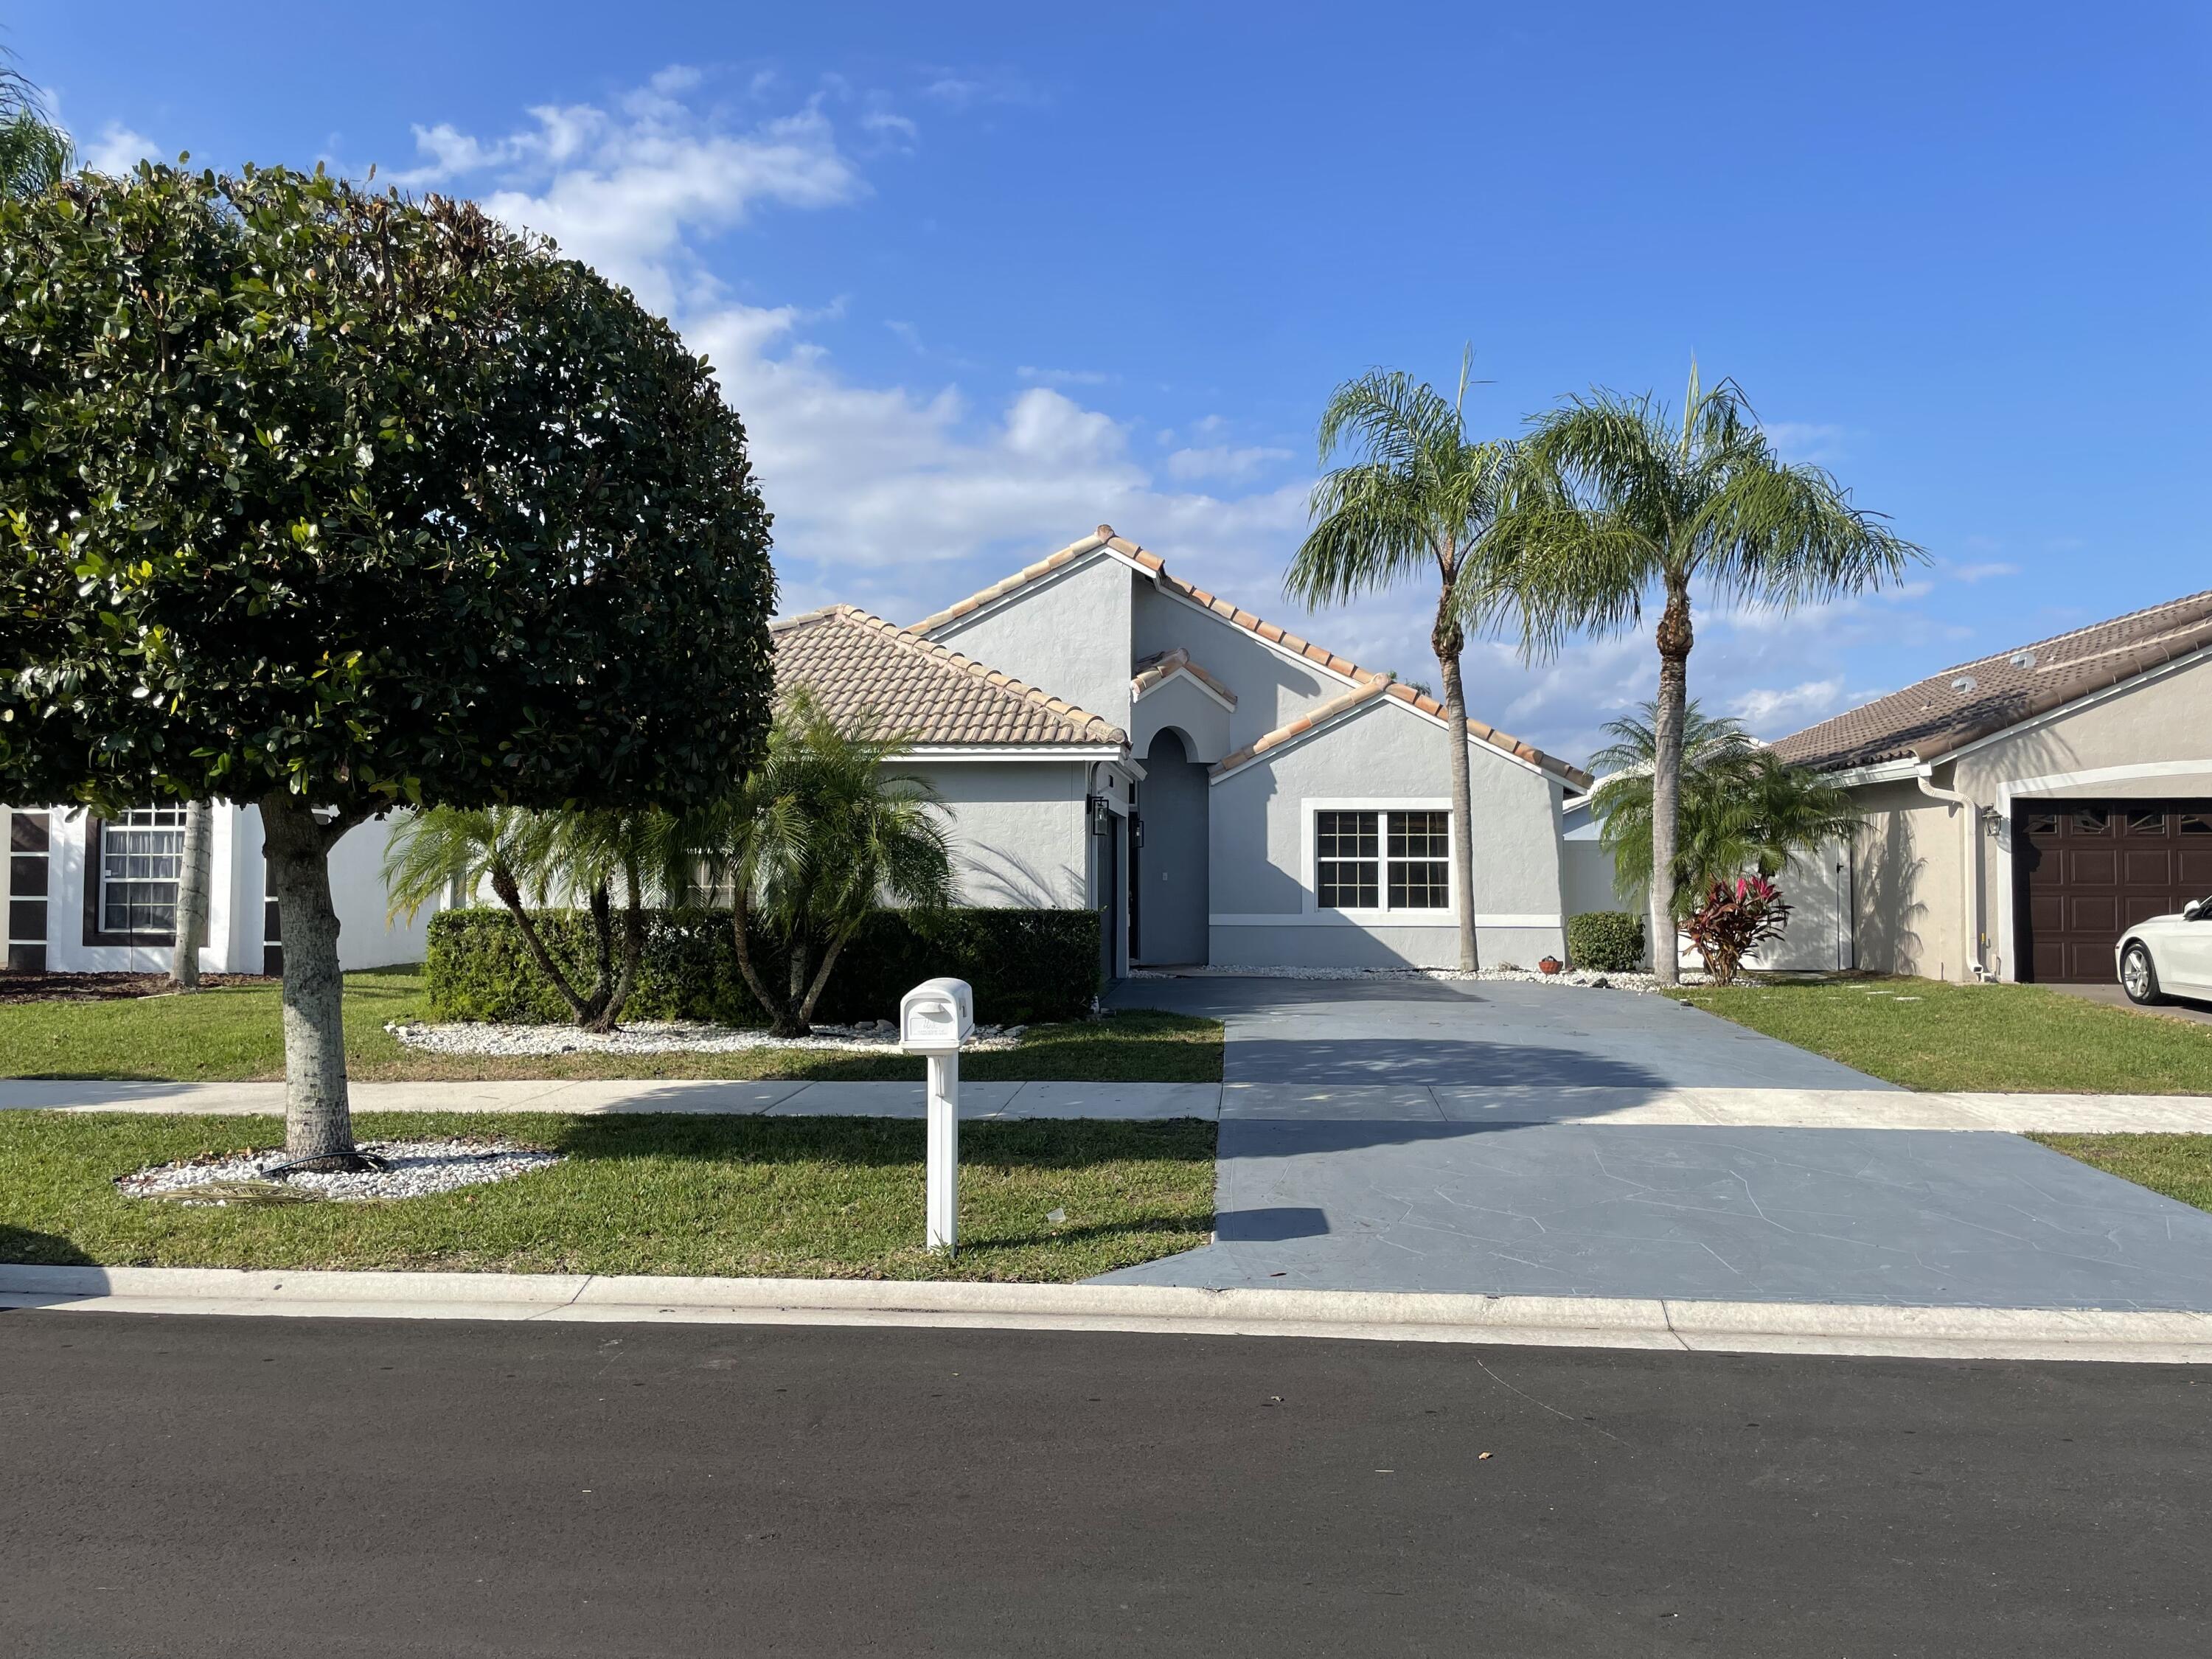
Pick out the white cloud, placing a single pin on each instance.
(632, 193)
(1982, 573)
(1772, 712)
(119, 148)
(1812, 442)
(1223, 462)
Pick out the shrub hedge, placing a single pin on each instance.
(1605, 941)
(1026, 966)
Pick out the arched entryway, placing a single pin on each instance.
(1169, 891)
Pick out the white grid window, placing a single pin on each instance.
(1362, 859)
(142, 854)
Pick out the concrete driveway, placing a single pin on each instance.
(1396, 1135)
(1482, 1034)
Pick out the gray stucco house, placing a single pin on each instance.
(1106, 735)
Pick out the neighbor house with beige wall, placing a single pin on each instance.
(2024, 809)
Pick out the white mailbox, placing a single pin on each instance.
(936, 1017)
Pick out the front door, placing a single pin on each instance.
(1174, 925)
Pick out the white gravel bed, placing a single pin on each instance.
(1579, 977)
(417, 1168)
(649, 1037)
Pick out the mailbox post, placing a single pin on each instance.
(935, 1019)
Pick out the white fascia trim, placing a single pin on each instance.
(1896, 771)
(2086, 700)
(1372, 919)
(1257, 638)
(2051, 782)
(1036, 585)
(1009, 751)
(1161, 684)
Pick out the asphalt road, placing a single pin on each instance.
(181, 1486)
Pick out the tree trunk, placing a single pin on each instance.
(317, 1121)
(780, 1017)
(192, 896)
(633, 948)
(1447, 639)
(1674, 639)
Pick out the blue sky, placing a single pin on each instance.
(981, 278)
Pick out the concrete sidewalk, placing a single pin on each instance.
(1599, 1106)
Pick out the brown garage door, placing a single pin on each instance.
(2085, 871)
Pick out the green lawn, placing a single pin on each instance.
(1928, 1034)
(797, 1197)
(232, 1034)
(2180, 1166)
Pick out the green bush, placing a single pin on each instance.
(1026, 966)
(1605, 941)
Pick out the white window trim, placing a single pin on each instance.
(123, 832)
(1310, 811)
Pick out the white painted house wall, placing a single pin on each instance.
(236, 893)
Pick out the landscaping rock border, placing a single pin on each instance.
(413, 1168)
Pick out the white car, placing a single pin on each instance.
(2169, 956)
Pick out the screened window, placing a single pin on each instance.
(140, 856)
(1375, 860)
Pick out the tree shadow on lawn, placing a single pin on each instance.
(21, 1245)
(875, 1142)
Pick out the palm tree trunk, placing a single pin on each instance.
(1447, 640)
(1675, 640)
(506, 889)
(317, 1120)
(780, 1019)
(633, 948)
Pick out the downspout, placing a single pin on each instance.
(1972, 907)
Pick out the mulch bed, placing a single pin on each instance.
(16, 986)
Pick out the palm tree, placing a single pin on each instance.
(529, 860)
(813, 841)
(1743, 811)
(35, 155)
(1617, 504)
(1416, 497)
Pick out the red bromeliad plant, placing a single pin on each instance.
(1733, 922)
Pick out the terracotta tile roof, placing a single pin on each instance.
(1153, 670)
(1104, 538)
(1975, 700)
(853, 661)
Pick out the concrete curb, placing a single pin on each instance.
(2133, 1336)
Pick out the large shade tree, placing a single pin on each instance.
(1413, 500)
(326, 502)
(1621, 505)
